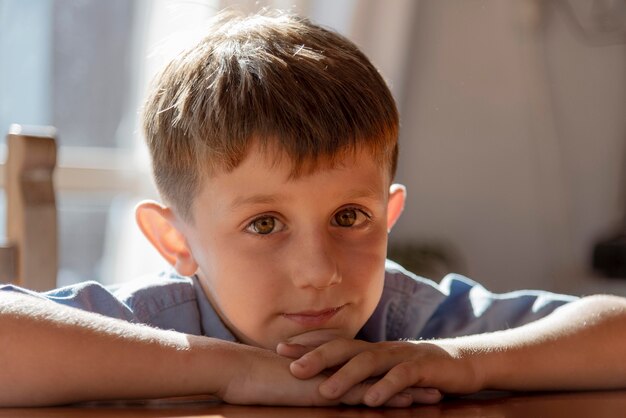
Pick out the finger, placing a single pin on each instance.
(355, 396)
(400, 377)
(358, 369)
(407, 397)
(326, 356)
(372, 362)
(294, 351)
(424, 395)
(400, 400)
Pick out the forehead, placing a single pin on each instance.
(267, 174)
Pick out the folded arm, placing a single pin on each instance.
(52, 354)
(579, 346)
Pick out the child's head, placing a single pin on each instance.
(274, 143)
(277, 79)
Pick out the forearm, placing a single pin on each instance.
(51, 354)
(581, 346)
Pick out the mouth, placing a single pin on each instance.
(313, 318)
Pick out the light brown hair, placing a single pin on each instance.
(273, 77)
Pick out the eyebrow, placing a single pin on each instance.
(257, 199)
(369, 193)
(269, 199)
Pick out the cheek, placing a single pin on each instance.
(233, 263)
(240, 280)
(366, 279)
(364, 252)
(363, 267)
(242, 285)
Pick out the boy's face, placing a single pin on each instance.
(298, 260)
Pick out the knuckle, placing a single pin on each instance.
(367, 357)
(395, 345)
(403, 374)
(316, 356)
(339, 344)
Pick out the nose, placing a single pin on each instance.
(315, 262)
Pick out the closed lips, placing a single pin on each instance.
(312, 317)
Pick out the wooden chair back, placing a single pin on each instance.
(30, 257)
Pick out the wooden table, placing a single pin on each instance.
(607, 404)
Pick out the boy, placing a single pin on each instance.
(273, 144)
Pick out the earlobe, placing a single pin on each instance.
(157, 224)
(395, 205)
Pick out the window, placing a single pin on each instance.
(75, 65)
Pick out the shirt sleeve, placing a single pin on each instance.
(89, 296)
(468, 308)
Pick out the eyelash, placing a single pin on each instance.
(250, 225)
(357, 209)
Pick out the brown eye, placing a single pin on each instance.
(263, 225)
(346, 217)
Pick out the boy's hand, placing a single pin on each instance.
(263, 378)
(532, 357)
(398, 367)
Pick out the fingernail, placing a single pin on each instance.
(285, 344)
(298, 363)
(432, 391)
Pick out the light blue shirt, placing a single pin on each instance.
(410, 307)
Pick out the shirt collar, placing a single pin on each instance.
(210, 321)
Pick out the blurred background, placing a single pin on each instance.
(513, 125)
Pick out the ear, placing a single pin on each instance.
(157, 224)
(395, 205)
